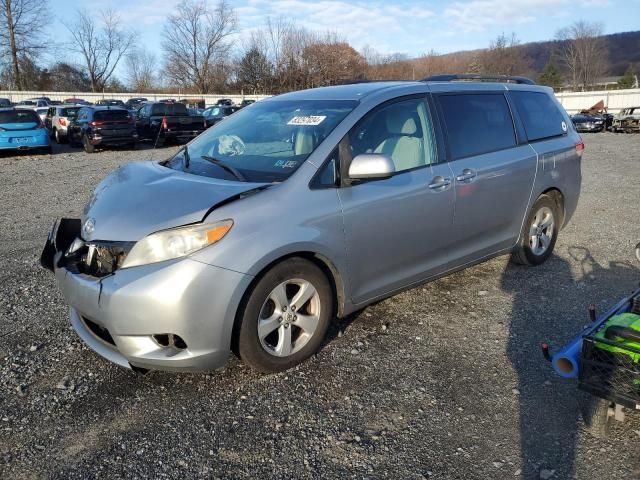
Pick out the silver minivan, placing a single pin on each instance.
(309, 206)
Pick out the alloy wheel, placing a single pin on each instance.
(289, 317)
(541, 231)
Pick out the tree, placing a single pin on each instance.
(65, 77)
(254, 70)
(196, 39)
(583, 51)
(503, 57)
(100, 46)
(551, 75)
(140, 67)
(21, 34)
(331, 62)
(629, 79)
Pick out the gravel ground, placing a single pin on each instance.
(442, 381)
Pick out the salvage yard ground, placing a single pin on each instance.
(443, 381)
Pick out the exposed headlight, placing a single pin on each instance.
(176, 242)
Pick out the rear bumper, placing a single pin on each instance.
(182, 297)
(112, 140)
(36, 143)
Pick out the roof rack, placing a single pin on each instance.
(452, 77)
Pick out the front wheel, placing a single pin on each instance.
(285, 317)
(539, 233)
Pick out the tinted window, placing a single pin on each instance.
(19, 116)
(401, 130)
(69, 112)
(540, 115)
(111, 115)
(169, 109)
(477, 123)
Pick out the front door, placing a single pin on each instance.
(396, 229)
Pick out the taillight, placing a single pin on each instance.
(580, 148)
(62, 122)
(164, 125)
(96, 123)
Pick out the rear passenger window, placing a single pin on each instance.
(540, 115)
(477, 123)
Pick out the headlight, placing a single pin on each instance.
(176, 242)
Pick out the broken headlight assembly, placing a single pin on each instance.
(176, 243)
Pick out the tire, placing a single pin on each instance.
(59, 138)
(283, 341)
(539, 233)
(87, 145)
(596, 417)
(47, 150)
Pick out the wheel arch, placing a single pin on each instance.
(330, 270)
(558, 197)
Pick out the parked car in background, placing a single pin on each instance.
(588, 123)
(312, 205)
(54, 102)
(5, 103)
(246, 103)
(168, 121)
(110, 102)
(224, 101)
(627, 120)
(213, 115)
(76, 101)
(133, 104)
(100, 126)
(33, 103)
(42, 112)
(22, 129)
(58, 119)
(195, 111)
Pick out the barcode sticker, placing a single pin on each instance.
(310, 120)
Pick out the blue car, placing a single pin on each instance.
(22, 129)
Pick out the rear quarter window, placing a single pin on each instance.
(540, 115)
(476, 123)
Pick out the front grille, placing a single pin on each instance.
(99, 331)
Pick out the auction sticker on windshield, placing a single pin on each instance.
(307, 120)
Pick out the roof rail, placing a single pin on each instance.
(452, 77)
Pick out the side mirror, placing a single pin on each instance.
(371, 166)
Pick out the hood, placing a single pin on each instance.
(143, 197)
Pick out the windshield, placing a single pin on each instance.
(265, 142)
(69, 112)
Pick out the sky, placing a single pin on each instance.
(411, 27)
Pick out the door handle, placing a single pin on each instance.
(466, 176)
(439, 183)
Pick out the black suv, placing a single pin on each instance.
(102, 127)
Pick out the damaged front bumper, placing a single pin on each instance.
(127, 315)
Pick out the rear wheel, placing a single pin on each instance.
(539, 233)
(57, 136)
(88, 147)
(285, 317)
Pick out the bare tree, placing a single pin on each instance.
(583, 51)
(101, 46)
(140, 67)
(21, 33)
(503, 57)
(196, 40)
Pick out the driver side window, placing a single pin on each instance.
(401, 130)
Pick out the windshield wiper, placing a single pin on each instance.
(225, 166)
(186, 157)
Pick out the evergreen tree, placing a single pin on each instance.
(551, 76)
(628, 79)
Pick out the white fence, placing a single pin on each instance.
(15, 96)
(573, 102)
(614, 100)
